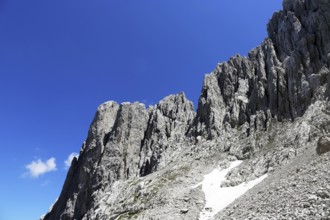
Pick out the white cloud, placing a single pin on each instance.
(38, 167)
(68, 161)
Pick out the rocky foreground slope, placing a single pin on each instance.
(269, 109)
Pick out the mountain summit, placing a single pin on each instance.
(256, 148)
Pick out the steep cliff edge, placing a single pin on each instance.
(278, 79)
(268, 109)
(124, 141)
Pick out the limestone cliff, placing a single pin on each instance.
(123, 141)
(268, 109)
(278, 79)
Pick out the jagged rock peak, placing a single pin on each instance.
(176, 107)
(278, 80)
(124, 141)
(168, 123)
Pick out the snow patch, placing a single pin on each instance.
(217, 198)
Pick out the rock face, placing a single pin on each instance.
(278, 79)
(269, 109)
(124, 141)
(168, 123)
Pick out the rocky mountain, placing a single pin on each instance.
(268, 110)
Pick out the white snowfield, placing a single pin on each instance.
(218, 198)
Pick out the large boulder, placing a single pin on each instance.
(323, 145)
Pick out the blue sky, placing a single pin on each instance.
(60, 59)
